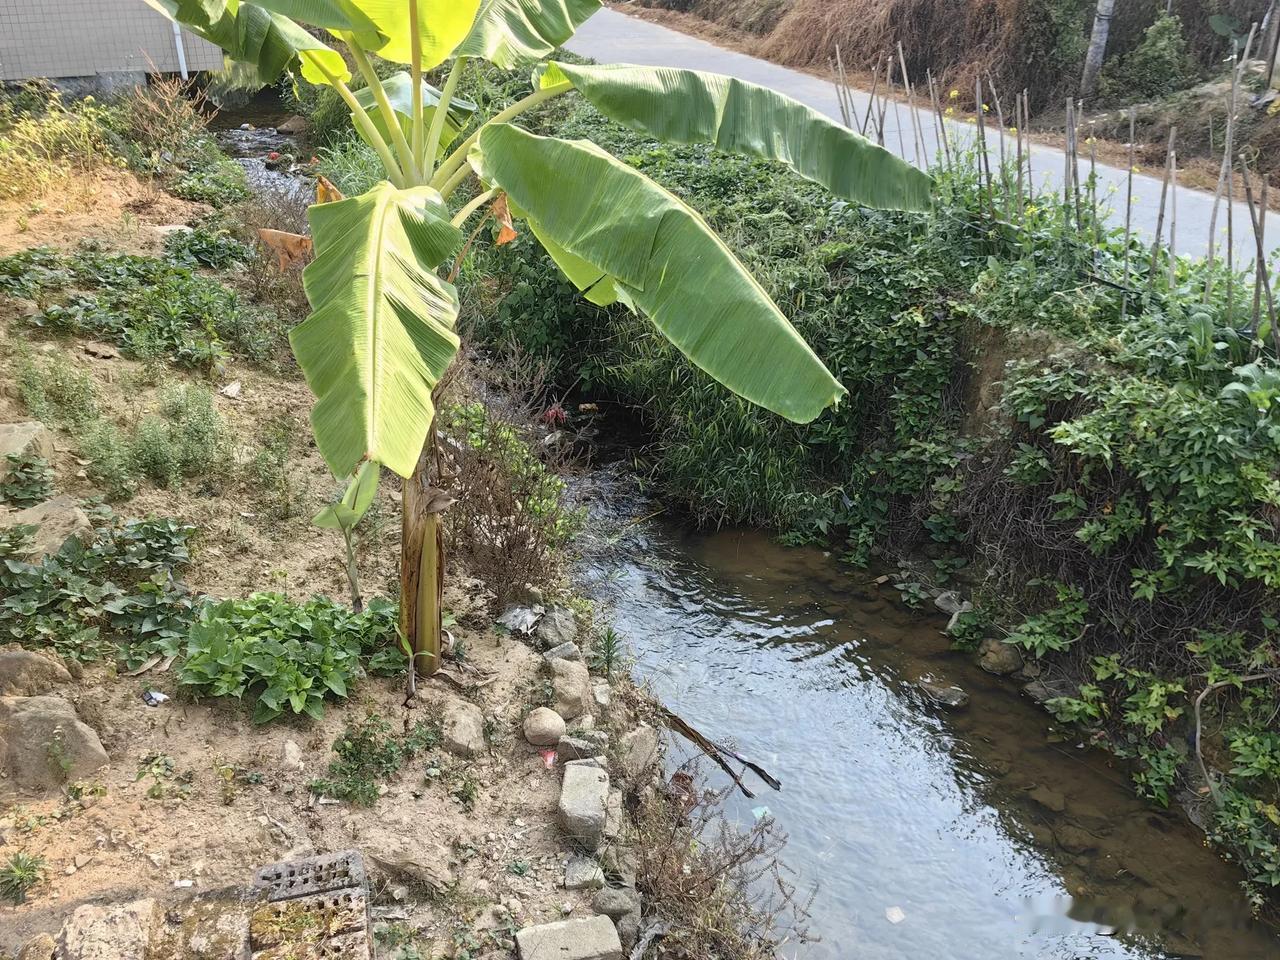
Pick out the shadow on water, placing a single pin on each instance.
(991, 839)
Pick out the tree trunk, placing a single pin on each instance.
(1097, 48)
(1271, 40)
(422, 567)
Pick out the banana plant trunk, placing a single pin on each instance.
(422, 568)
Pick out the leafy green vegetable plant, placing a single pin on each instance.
(27, 481)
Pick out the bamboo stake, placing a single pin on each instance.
(1026, 122)
(835, 82)
(1262, 257)
(911, 105)
(850, 108)
(1260, 267)
(984, 162)
(1173, 210)
(1164, 196)
(897, 117)
(1018, 108)
(875, 82)
(1093, 187)
(942, 120)
(1236, 76)
(1066, 158)
(1004, 172)
(1075, 161)
(1128, 210)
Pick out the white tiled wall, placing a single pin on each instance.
(76, 38)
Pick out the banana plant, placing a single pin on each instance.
(382, 332)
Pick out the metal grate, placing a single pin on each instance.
(328, 872)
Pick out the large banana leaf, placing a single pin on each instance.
(442, 25)
(337, 16)
(381, 334)
(689, 106)
(399, 91)
(514, 32)
(267, 42)
(630, 239)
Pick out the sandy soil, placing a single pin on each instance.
(199, 830)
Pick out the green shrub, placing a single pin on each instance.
(28, 480)
(185, 438)
(47, 140)
(280, 655)
(206, 248)
(219, 183)
(369, 753)
(351, 164)
(56, 390)
(1158, 66)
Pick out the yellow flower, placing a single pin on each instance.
(1137, 169)
(950, 111)
(1091, 140)
(985, 108)
(953, 94)
(1013, 129)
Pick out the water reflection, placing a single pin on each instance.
(973, 831)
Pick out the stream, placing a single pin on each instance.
(914, 828)
(978, 834)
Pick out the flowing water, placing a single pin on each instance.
(973, 835)
(981, 832)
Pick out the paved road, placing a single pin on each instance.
(611, 37)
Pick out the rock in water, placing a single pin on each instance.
(556, 627)
(543, 727)
(117, 932)
(26, 673)
(294, 125)
(584, 796)
(999, 658)
(945, 694)
(950, 602)
(43, 744)
(592, 938)
(571, 689)
(463, 729)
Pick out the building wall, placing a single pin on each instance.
(80, 38)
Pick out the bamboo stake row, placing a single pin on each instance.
(1016, 187)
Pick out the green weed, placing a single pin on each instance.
(368, 754)
(20, 875)
(28, 480)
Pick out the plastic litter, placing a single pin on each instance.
(153, 698)
(521, 619)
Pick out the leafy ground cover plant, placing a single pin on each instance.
(283, 656)
(116, 596)
(152, 308)
(204, 246)
(367, 754)
(27, 481)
